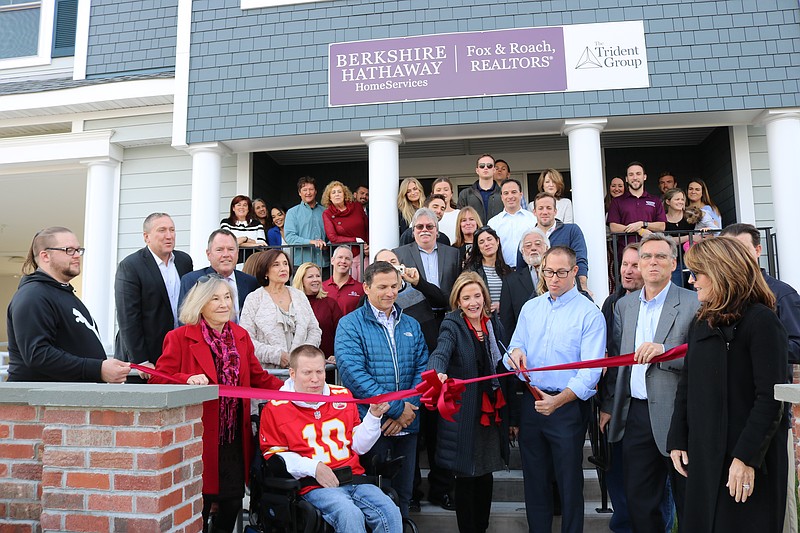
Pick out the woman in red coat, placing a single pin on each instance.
(345, 221)
(211, 349)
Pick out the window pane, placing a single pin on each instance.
(19, 33)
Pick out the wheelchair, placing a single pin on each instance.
(276, 505)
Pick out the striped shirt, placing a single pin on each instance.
(493, 282)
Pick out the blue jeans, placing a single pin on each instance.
(387, 448)
(346, 508)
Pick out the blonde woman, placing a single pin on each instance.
(467, 224)
(308, 279)
(409, 199)
(552, 182)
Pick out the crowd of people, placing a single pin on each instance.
(485, 282)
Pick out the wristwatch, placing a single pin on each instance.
(644, 224)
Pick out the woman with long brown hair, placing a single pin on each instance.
(726, 422)
(698, 196)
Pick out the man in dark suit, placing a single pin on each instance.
(146, 292)
(222, 252)
(639, 405)
(520, 285)
(437, 264)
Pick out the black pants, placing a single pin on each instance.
(225, 516)
(645, 473)
(473, 502)
(552, 448)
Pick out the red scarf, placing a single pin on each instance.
(226, 359)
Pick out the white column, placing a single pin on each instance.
(206, 177)
(783, 148)
(384, 184)
(588, 191)
(99, 239)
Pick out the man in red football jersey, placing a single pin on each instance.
(321, 441)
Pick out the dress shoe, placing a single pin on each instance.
(445, 502)
(413, 506)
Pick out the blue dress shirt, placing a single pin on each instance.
(565, 330)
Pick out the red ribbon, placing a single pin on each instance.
(435, 395)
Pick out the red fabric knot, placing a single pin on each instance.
(430, 388)
(489, 409)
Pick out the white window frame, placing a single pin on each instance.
(47, 11)
(255, 4)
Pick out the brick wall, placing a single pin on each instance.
(100, 468)
(20, 468)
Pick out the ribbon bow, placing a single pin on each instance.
(444, 397)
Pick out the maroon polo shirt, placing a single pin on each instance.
(627, 209)
(347, 296)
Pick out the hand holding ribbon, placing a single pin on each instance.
(444, 397)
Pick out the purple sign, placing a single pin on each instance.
(449, 65)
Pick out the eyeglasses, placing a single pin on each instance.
(208, 277)
(659, 257)
(69, 250)
(548, 273)
(485, 165)
(429, 227)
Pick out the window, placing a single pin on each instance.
(19, 28)
(32, 32)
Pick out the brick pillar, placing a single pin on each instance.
(102, 458)
(20, 467)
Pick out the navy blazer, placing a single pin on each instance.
(245, 284)
(144, 312)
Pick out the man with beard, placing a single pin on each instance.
(521, 285)
(637, 212)
(561, 233)
(51, 335)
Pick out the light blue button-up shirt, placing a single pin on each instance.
(510, 229)
(649, 315)
(303, 225)
(430, 263)
(565, 330)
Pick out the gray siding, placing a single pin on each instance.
(159, 178)
(762, 183)
(127, 37)
(263, 72)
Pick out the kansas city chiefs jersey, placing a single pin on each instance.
(324, 434)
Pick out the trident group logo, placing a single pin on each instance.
(601, 56)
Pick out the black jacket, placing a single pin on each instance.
(517, 290)
(457, 356)
(472, 197)
(144, 313)
(725, 408)
(51, 335)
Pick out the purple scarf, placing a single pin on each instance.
(226, 358)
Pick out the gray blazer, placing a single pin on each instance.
(662, 379)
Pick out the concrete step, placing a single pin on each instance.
(515, 460)
(506, 517)
(509, 487)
